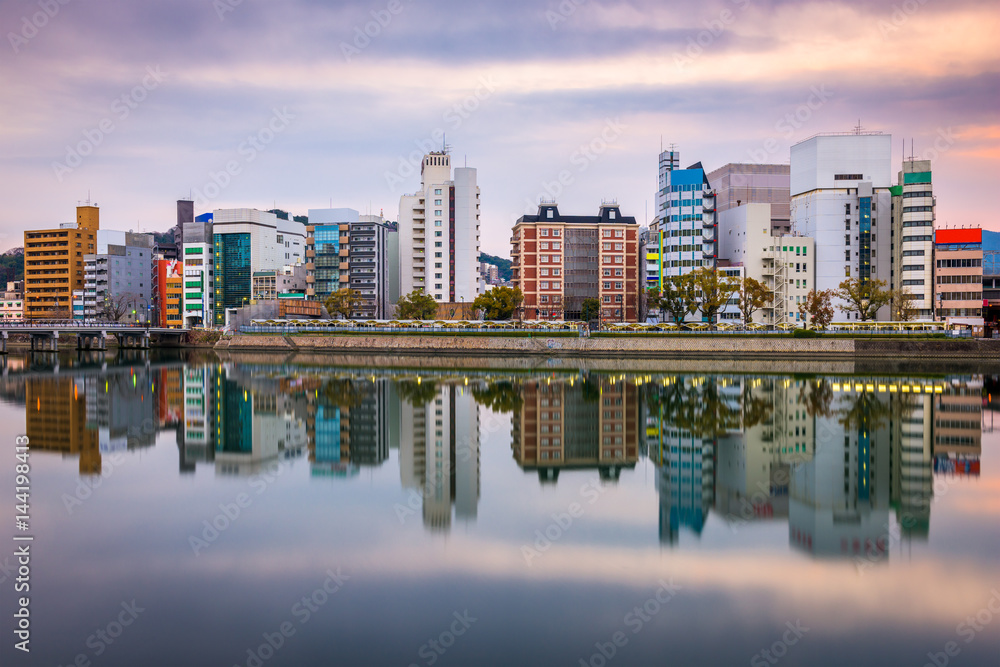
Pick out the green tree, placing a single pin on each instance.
(343, 302)
(816, 309)
(417, 393)
(504, 396)
(416, 306)
(679, 297)
(753, 296)
(499, 303)
(863, 297)
(590, 309)
(715, 289)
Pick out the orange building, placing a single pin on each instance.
(169, 291)
(560, 261)
(53, 264)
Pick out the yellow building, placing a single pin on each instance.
(53, 264)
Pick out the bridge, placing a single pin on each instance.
(89, 335)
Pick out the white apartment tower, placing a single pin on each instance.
(913, 236)
(439, 233)
(841, 197)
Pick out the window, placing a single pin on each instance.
(544, 272)
(545, 232)
(544, 285)
(437, 202)
(437, 191)
(549, 213)
(437, 244)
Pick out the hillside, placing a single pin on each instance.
(11, 266)
(500, 262)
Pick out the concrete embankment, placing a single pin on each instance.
(953, 354)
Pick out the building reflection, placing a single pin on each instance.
(92, 414)
(577, 423)
(439, 449)
(849, 463)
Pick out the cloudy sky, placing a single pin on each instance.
(305, 103)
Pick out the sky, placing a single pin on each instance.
(306, 104)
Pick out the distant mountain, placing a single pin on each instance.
(500, 263)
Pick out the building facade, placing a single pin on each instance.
(246, 240)
(168, 292)
(958, 277)
(739, 183)
(439, 233)
(350, 250)
(199, 272)
(913, 233)
(119, 277)
(785, 263)
(559, 261)
(12, 304)
(684, 235)
(840, 188)
(54, 264)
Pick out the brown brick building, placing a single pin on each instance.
(559, 261)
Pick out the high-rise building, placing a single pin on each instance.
(350, 250)
(739, 183)
(840, 187)
(913, 236)
(558, 261)
(784, 262)
(439, 233)
(53, 264)
(958, 277)
(199, 272)
(247, 240)
(118, 277)
(683, 236)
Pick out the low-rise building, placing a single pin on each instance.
(958, 277)
(12, 305)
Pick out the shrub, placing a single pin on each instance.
(806, 333)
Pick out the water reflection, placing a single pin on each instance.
(847, 463)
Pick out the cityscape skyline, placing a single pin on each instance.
(602, 87)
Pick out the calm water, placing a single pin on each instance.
(232, 513)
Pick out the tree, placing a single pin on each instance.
(343, 302)
(863, 297)
(653, 300)
(115, 308)
(417, 392)
(416, 306)
(679, 297)
(753, 296)
(499, 303)
(816, 309)
(715, 291)
(503, 396)
(902, 305)
(590, 309)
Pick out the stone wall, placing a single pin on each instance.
(627, 347)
